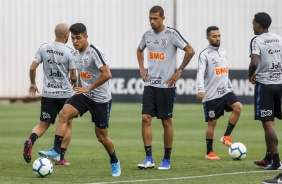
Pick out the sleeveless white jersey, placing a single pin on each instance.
(162, 50)
(212, 73)
(57, 61)
(88, 63)
(269, 48)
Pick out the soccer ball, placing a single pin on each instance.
(237, 151)
(42, 167)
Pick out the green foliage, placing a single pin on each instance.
(90, 162)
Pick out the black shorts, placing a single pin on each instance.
(50, 107)
(100, 112)
(267, 101)
(213, 109)
(158, 102)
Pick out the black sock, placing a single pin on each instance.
(229, 129)
(58, 143)
(63, 152)
(113, 157)
(209, 145)
(167, 153)
(33, 137)
(267, 155)
(148, 150)
(276, 159)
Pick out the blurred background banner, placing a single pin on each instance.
(127, 86)
(116, 27)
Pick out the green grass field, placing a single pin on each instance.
(90, 162)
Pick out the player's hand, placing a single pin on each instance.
(200, 96)
(172, 80)
(252, 79)
(32, 90)
(79, 90)
(144, 74)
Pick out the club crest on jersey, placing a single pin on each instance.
(211, 114)
(86, 61)
(164, 42)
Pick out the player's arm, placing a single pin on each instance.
(73, 77)
(189, 53)
(143, 72)
(202, 65)
(104, 77)
(252, 68)
(32, 75)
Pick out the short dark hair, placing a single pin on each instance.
(263, 19)
(157, 9)
(78, 28)
(211, 28)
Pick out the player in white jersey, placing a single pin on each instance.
(266, 73)
(215, 90)
(59, 70)
(93, 95)
(159, 92)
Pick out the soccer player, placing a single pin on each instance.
(58, 65)
(266, 73)
(93, 94)
(215, 91)
(160, 78)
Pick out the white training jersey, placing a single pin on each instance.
(88, 63)
(212, 73)
(162, 50)
(269, 48)
(57, 61)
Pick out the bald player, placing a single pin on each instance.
(59, 79)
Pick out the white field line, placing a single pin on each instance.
(181, 178)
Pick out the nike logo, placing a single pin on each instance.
(102, 124)
(169, 113)
(149, 41)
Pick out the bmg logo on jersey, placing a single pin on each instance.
(159, 56)
(55, 74)
(85, 75)
(221, 70)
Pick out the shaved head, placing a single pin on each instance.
(61, 30)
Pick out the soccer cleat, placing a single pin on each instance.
(226, 140)
(116, 170)
(27, 150)
(52, 154)
(147, 163)
(263, 162)
(273, 167)
(277, 179)
(164, 165)
(62, 162)
(212, 156)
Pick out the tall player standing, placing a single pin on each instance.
(58, 65)
(160, 78)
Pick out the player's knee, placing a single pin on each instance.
(146, 119)
(64, 115)
(238, 108)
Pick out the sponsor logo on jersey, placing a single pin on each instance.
(155, 80)
(160, 56)
(264, 113)
(164, 42)
(221, 90)
(221, 71)
(273, 51)
(271, 41)
(156, 42)
(85, 75)
(55, 74)
(50, 61)
(54, 85)
(55, 52)
(60, 93)
(275, 65)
